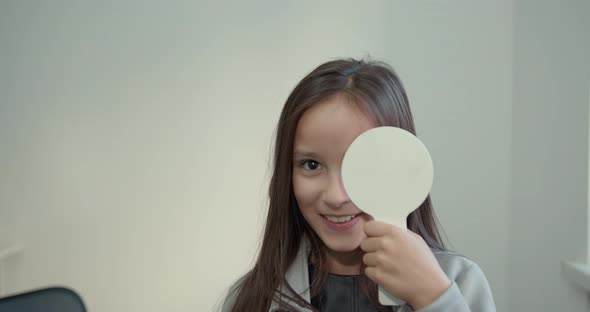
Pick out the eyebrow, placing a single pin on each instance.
(305, 154)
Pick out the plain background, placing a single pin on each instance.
(135, 137)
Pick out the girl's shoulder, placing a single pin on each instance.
(469, 291)
(460, 269)
(457, 265)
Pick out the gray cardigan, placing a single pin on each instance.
(469, 291)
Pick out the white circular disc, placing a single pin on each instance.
(388, 173)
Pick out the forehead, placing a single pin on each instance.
(330, 126)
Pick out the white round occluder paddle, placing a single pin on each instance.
(387, 173)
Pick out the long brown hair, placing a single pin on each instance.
(374, 86)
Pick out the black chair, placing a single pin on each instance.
(54, 299)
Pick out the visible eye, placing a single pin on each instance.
(310, 165)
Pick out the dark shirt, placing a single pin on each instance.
(341, 294)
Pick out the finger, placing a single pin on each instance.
(374, 274)
(370, 259)
(371, 244)
(376, 228)
(375, 259)
(379, 228)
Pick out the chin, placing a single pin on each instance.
(340, 248)
(342, 244)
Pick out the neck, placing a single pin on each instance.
(345, 263)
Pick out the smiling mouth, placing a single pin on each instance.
(340, 219)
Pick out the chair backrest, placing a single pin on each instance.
(53, 299)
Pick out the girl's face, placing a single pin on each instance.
(323, 135)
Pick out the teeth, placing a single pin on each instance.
(339, 220)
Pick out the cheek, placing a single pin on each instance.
(307, 193)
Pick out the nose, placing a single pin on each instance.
(335, 195)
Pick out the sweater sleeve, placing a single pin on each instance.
(469, 292)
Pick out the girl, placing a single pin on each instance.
(305, 264)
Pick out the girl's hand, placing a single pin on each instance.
(400, 261)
